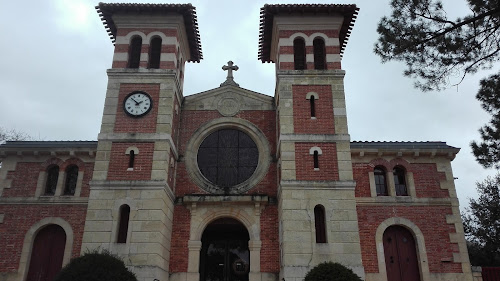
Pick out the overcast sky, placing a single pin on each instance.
(54, 55)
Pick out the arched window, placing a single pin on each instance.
(315, 152)
(131, 159)
(319, 53)
(319, 224)
(71, 179)
(299, 53)
(400, 181)
(316, 159)
(312, 101)
(123, 224)
(134, 52)
(154, 52)
(380, 181)
(52, 177)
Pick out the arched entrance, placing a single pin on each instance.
(400, 255)
(47, 253)
(224, 253)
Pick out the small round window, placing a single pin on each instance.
(227, 157)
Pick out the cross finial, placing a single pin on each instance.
(230, 79)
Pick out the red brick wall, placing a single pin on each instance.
(25, 176)
(426, 177)
(427, 181)
(118, 163)
(179, 243)
(360, 175)
(145, 124)
(304, 164)
(269, 253)
(431, 220)
(24, 180)
(19, 219)
(302, 122)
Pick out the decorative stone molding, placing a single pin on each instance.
(224, 123)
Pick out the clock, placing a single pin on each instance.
(137, 104)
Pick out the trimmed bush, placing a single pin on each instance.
(96, 266)
(329, 271)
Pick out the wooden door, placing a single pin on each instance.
(47, 253)
(400, 255)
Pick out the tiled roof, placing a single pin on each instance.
(267, 13)
(400, 145)
(188, 11)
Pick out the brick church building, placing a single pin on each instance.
(230, 184)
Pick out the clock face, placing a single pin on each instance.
(137, 104)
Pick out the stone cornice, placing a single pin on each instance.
(44, 200)
(405, 201)
(132, 185)
(303, 185)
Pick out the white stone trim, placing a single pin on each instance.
(30, 236)
(312, 94)
(154, 34)
(203, 215)
(135, 149)
(308, 40)
(419, 241)
(315, 148)
(333, 58)
(122, 40)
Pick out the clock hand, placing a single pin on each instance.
(136, 103)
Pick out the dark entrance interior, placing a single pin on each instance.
(400, 255)
(224, 252)
(47, 253)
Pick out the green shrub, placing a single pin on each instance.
(329, 271)
(96, 266)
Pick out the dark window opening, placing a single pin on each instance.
(400, 181)
(380, 181)
(154, 53)
(123, 224)
(52, 177)
(299, 54)
(131, 159)
(319, 224)
(316, 159)
(228, 157)
(312, 101)
(134, 52)
(319, 54)
(71, 180)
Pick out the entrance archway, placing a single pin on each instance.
(224, 253)
(47, 253)
(400, 255)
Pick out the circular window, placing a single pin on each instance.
(227, 157)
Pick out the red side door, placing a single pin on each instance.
(47, 253)
(400, 255)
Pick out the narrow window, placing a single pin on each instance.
(299, 53)
(400, 181)
(71, 179)
(319, 224)
(319, 54)
(123, 224)
(131, 159)
(154, 52)
(134, 52)
(52, 177)
(380, 181)
(316, 160)
(312, 101)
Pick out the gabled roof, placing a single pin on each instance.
(188, 11)
(267, 13)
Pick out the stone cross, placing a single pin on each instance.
(230, 79)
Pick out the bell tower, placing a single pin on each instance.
(131, 201)
(317, 208)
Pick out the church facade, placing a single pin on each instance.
(230, 184)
